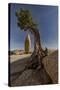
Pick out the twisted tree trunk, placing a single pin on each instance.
(38, 53)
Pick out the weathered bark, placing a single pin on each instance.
(38, 53)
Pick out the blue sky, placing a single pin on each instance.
(47, 19)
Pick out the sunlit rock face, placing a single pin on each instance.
(27, 44)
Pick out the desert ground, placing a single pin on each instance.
(14, 58)
(20, 76)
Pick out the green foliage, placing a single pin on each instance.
(24, 19)
(27, 45)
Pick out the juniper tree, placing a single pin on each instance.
(26, 23)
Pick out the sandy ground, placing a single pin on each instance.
(21, 76)
(14, 58)
(51, 66)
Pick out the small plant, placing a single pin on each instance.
(46, 51)
(27, 44)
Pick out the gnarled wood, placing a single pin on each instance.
(38, 52)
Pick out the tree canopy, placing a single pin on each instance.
(25, 20)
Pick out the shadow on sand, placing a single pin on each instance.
(20, 76)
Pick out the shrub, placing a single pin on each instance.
(27, 44)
